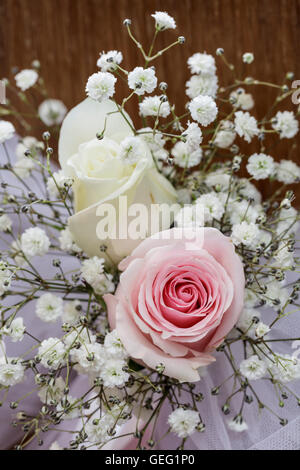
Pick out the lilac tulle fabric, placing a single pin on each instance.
(264, 430)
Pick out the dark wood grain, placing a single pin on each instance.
(67, 36)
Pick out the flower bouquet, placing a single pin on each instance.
(149, 255)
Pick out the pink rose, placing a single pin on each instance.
(178, 299)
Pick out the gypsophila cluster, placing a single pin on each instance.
(56, 329)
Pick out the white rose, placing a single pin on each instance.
(102, 176)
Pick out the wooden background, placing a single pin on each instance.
(67, 36)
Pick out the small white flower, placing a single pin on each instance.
(15, 330)
(288, 221)
(101, 86)
(225, 136)
(163, 21)
(242, 100)
(242, 211)
(249, 191)
(52, 353)
(26, 79)
(5, 223)
(286, 369)
(211, 206)
(245, 233)
(131, 150)
(237, 424)
(28, 143)
(112, 373)
(284, 257)
(276, 294)
(261, 329)
(34, 242)
(193, 136)
(260, 166)
(142, 80)
(52, 392)
(23, 167)
(49, 308)
(253, 368)
(183, 422)
(202, 85)
(97, 430)
(52, 112)
(7, 131)
(17, 253)
(154, 140)
(248, 57)
(248, 320)
(218, 179)
(108, 60)
(67, 243)
(203, 109)
(5, 277)
(202, 64)
(92, 269)
(245, 125)
(58, 182)
(71, 312)
(287, 172)
(11, 371)
(71, 411)
(286, 124)
(154, 106)
(90, 358)
(113, 345)
(183, 157)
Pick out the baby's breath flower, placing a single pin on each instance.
(71, 312)
(7, 131)
(67, 243)
(34, 242)
(142, 80)
(49, 308)
(248, 57)
(203, 109)
(183, 422)
(58, 181)
(154, 106)
(52, 353)
(193, 136)
(26, 79)
(245, 233)
(202, 63)
(260, 166)
(112, 372)
(23, 167)
(185, 158)
(108, 61)
(131, 150)
(163, 21)
(11, 371)
(287, 172)
(52, 112)
(245, 125)
(15, 329)
(101, 86)
(253, 368)
(211, 206)
(5, 223)
(237, 424)
(241, 99)
(286, 124)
